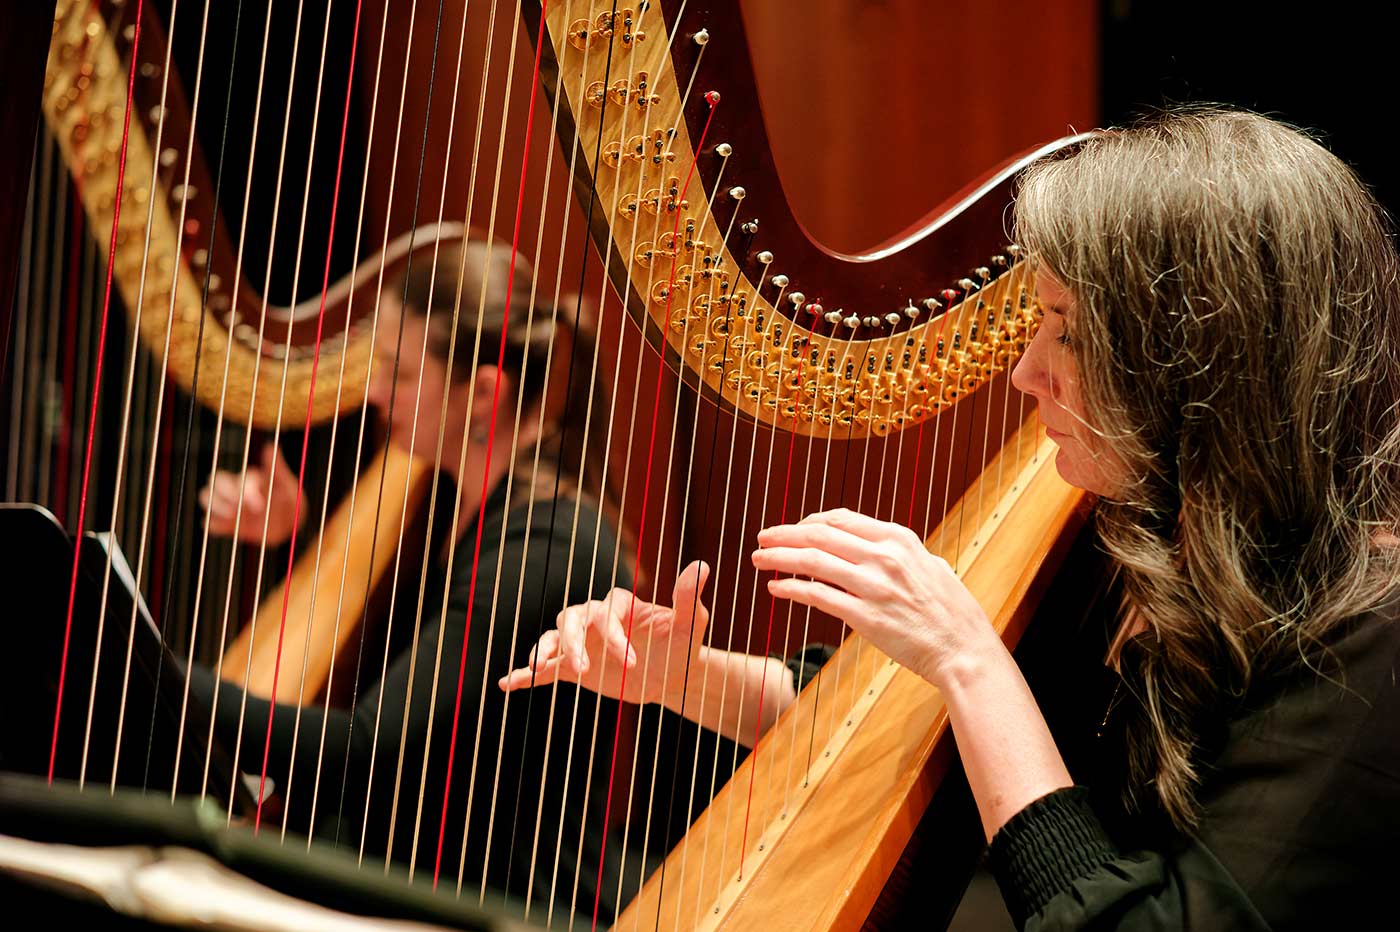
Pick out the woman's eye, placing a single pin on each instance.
(1063, 338)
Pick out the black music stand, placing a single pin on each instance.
(142, 703)
(36, 557)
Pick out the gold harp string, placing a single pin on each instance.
(122, 443)
(359, 446)
(335, 422)
(774, 321)
(286, 582)
(534, 476)
(398, 352)
(379, 494)
(627, 462)
(539, 434)
(233, 568)
(661, 533)
(276, 432)
(609, 423)
(684, 511)
(471, 399)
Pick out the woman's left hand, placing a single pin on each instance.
(878, 578)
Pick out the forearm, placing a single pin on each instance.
(1006, 748)
(736, 694)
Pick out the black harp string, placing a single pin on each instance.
(17, 325)
(610, 423)
(236, 570)
(705, 508)
(683, 509)
(627, 464)
(358, 447)
(132, 478)
(184, 470)
(389, 429)
(568, 393)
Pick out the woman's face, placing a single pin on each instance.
(410, 399)
(1048, 373)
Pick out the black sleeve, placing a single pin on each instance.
(435, 728)
(807, 663)
(1058, 869)
(1299, 813)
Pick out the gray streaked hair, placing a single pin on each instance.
(1237, 338)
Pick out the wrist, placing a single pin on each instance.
(680, 689)
(973, 668)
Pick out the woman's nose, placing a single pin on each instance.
(1031, 375)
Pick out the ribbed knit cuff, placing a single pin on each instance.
(1046, 847)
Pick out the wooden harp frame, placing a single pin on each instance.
(819, 857)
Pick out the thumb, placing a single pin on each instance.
(270, 454)
(685, 597)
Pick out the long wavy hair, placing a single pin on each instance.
(1237, 337)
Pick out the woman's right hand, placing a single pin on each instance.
(268, 493)
(591, 644)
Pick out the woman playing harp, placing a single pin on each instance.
(375, 776)
(1219, 361)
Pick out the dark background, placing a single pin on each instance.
(1326, 68)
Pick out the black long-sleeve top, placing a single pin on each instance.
(1300, 816)
(416, 681)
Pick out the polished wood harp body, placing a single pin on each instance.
(754, 376)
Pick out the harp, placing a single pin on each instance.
(752, 375)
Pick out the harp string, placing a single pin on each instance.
(452, 345)
(20, 327)
(311, 394)
(233, 568)
(627, 472)
(609, 424)
(627, 465)
(393, 392)
(713, 100)
(495, 405)
(92, 421)
(734, 614)
(636, 398)
(34, 371)
(491, 435)
(355, 485)
(573, 531)
(52, 342)
(673, 431)
(534, 476)
(684, 512)
(174, 549)
(282, 388)
(719, 560)
(67, 412)
(277, 428)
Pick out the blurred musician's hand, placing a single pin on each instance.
(266, 496)
(591, 645)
